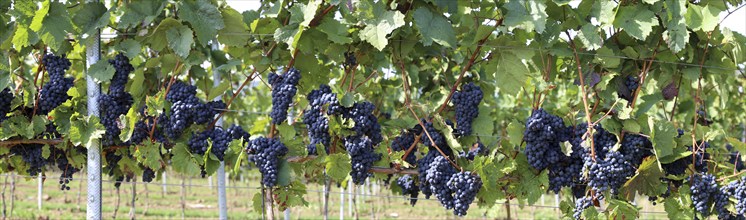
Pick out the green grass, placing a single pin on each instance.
(201, 202)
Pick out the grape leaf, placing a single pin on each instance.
(662, 137)
(204, 18)
(434, 27)
(511, 73)
(677, 35)
(91, 17)
(129, 47)
(334, 30)
(183, 161)
(55, 25)
(621, 209)
(527, 15)
(702, 18)
(180, 40)
(636, 20)
(338, 166)
(647, 181)
(102, 71)
(590, 37)
(86, 130)
(236, 32)
(140, 12)
(383, 24)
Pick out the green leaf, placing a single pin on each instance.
(148, 154)
(527, 15)
(131, 119)
(140, 12)
(36, 22)
(511, 73)
(158, 39)
(257, 202)
(183, 161)
(434, 27)
(308, 11)
(90, 17)
(24, 37)
(636, 20)
(702, 18)
(289, 34)
(129, 47)
(678, 205)
(18, 125)
(590, 37)
(219, 90)
(738, 145)
(647, 181)
(236, 32)
(676, 35)
(55, 26)
(621, 209)
(39, 124)
(86, 130)
(204, 18)
(180, 40)
(334, 30)
(284, 173)
(604, 12)
(102, 71)
(515, 132)
(384, 23)
(45, 152)
(338, 166)
(663, 137)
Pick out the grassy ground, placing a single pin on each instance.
(201, 202)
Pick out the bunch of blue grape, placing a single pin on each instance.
(65, 167)
(206, 112)
(284, 88)
(366, 122)
(322, 102)
(581, 205)
(362, 155)
(32, 156)
(433, 133)
(630, 86)
(402, 143)
(567, 170)
(237, 132)
(54, 92)
(477, 149)
(187, 109)
(611, 169)
(739, 193)
(182, 116)
(148, 175)
(466, 102)
(220, 141)
(142, 129)
(181, 91)
(465, 187)
(437, 176)
(111, 106)
(350, 59)
(543, 135)
(704, 189)
(112, 160)
(722, 200)
(636, 148)
(735, 158)
(122, 69)
(409, 188)
(423, 164)
(266, 154)
(6, 99)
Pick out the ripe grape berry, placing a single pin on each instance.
(284, 88)
(543, 135)
(362, 156)
(408, 188)
(6, 99)
(366, 122)
(322, 102)
(739, 193)
(466, 102)
(65, 167)
(54, 92)
(266, 153)
(465, 187)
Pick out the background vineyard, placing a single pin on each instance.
(490, 107)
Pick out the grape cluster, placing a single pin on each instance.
(237, 132)
(477, 149)
(67, 169)
(630, 86)
(112, 160)
(465, 187)
(122, 69)
(611, 169)
(350, 59)
(581, 205)
(466, 102)
(366, 122)
(432, 132)
(266, 153)
(402, 143)
(739, 192)
(422, 166)
(408, 188)
(437, 176)
(704, 189)
(54, 92)
(284, 88)
(142, 129)
(543, 135)
(362, 156)
(32, 156)
(220, 141)
(148, 175)
(111, 106)
(635, 148)
(187, 109)
(322, 101)
(6, 99)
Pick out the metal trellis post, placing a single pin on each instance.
(93, 54)
(222, 204)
